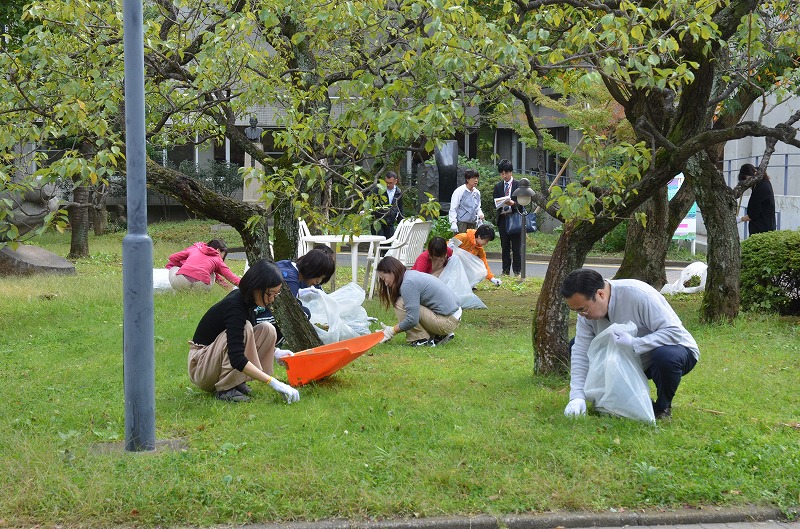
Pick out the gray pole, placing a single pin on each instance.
(137, 252)
(523, 236)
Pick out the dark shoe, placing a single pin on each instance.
(422, 343)
(504, 273)
(232, 395)
(664, 415)
(441, 340)
(243, 388)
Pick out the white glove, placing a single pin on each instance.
(291, 394)
(281, 353)
(308, 290)
(388, 333)
(496, 281)
(740, 219)
(622, 338)
(454, 227)
(575, 408)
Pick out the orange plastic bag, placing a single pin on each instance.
(325, 360)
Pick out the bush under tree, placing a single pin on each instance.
(770, 272)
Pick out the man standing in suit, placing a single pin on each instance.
(389, 206)
(509, 244)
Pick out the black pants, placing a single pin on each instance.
(669, 364)
(386, 229)
(510, 247)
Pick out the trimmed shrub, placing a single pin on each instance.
(770, 274)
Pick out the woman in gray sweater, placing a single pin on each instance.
(427, 310)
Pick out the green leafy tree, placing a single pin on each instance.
(354, 83)
(662, 64)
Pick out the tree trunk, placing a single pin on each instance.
(718, 204)
(78, 212)
(299, 332)
(646, 247)
(99, 218)
(285, 228)
(98, 212)
(550, 323)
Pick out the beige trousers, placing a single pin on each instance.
(210, 368)
(429, 324)
(181, 282)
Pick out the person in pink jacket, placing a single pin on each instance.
(199, 265)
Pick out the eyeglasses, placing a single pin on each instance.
(583, 311)
(273, 294)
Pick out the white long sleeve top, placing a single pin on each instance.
(656, 322)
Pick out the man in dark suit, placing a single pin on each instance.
(389, 206)
(509, 244)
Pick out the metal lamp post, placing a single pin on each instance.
(523, 195)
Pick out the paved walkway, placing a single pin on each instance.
(535, 264)
(708, 518)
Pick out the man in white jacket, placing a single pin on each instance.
(465, 204)
(665, 347)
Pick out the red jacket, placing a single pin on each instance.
(424, 264)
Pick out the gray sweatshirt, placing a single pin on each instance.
(420, 289)
(656, 324)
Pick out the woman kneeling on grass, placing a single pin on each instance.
(229, 348)
(427, 309)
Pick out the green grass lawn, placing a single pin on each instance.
(467, 428)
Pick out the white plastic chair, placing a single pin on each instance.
(397, 240)
(302, 232)
(406, 248)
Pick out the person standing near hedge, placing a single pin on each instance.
(510, 245)
(760, 215)
(465, 204)
(389, 210)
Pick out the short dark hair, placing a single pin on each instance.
(746, 171)
(504, 166)
(390, 265)
(316, 263)
(219, 245)
(582, 281)
(485, 231)
(437, 247)
(390, 174)
(260, 277)
(471, 173)
(327, 250)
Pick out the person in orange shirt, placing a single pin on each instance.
(473, 242)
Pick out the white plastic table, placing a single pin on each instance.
(353, 241)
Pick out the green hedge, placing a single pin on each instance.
(770, 275)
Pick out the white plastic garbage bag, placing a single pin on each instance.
(460, 282)
(473, 265)
(615, 382)
(695, 269)
(339, 315)
(161, 279)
